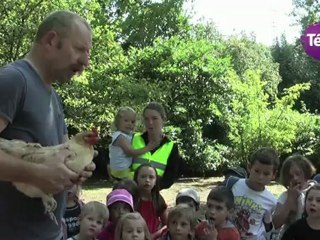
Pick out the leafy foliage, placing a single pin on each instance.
(222, 96)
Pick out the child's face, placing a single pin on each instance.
(260, 175)
(188, 201)
(146, 178)
(297, 176)
(91, 225)
(313, 203)
(133, 230)
(118, 209)
(180, 229)
(217, 212)
(127, 122)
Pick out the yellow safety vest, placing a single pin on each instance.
(158, 159)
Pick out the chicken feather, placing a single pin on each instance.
(81, 154)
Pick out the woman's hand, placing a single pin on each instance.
(152, 145)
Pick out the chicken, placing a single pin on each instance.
(80, 147)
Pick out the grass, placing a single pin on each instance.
(97, 190)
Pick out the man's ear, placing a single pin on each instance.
(275, 172)
(50, 39)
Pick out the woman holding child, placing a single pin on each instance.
(165, 157)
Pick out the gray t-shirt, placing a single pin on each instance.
(35, 114)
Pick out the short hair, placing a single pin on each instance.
(183, 211)
(222, 194)
(301, 162)
(157, 107)
(265, 155)
(131, 216)
(120, 114)
(129, 185)
(61, 22)
(95, 207)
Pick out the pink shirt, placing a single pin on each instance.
(108, 232)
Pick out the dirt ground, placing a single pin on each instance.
(98, 190)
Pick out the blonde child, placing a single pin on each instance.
(132, 226)
(120, 150)
(92, 219)
(219, 207)
(181, 223)
(151, 204)
(307, 227)
(294, 176)
(73, 211)
(119, 202)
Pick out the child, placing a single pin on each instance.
(132, 226)
(254, 204)
(308, 227)
(190, 197)
(92, 218)
(73, 210)
(181, 223)
(120, 150)
(294, 175)
(220, 203)
(119, 202)
(129, 185)
(151, 204)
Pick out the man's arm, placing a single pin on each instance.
(52, 176)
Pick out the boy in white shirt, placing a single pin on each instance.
(254, 204)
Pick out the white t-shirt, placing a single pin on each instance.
(118, 159)
(252, 208)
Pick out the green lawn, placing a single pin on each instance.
(98, 190)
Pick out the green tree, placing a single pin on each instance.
(249, 55)
(140, 22)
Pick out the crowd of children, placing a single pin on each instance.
(240, 207)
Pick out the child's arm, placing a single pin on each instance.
(207, 231)
(164, 217)
(122, 142)
(162, 230)
(282, 212)
(160, 233)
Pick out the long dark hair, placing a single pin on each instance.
(159, 203)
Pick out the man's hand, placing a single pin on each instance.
(53, 176)
(86, 173)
